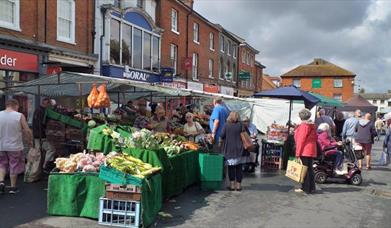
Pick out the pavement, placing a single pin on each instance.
(267, 200)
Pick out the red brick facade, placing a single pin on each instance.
(184, 42)
(32, 24)
(247, 63)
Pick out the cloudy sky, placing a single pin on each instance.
(354, 34)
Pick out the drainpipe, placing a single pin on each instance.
(103, 10)
(187, 43)
(93, 27)
(46, 19)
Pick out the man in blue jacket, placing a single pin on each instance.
(349, 127)
(217, 120)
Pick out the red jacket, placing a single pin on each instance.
(327, 144)
(305, 139)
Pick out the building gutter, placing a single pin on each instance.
(103, 10)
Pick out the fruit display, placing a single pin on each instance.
(277, 132)
(174, 144)
(93, 97)
(130, 165)
(80, 162)
(103, 100)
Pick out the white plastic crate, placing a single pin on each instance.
(119, 213)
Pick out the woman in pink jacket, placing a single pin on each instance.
(329, 147)
(305, 139)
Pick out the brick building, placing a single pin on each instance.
(323, 77)
(189, 44)
(267, 83)
(247, 70)
(259, 76)
(42, 36)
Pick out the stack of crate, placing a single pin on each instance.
(121, 206)
(271, 156)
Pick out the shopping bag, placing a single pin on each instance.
(296, 171)
(33, 169)
(385, 158)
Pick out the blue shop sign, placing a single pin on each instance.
(131, 74)
(166, 74)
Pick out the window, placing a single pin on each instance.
(252, 61)
(195, 33)
(126, 45)
(66, 21)
(234, 51)
(381, 101)
(247, 58)
(155, 54)
(337, 97)
(234, 71)
(195, 66)
(243, 56)
(374, 102)
(9, 14)
(222, 44)
(316, 83)
(229, 47)
(338, 83)
(174, 57)
(174, 20)
(297, 83)
(211, 66)
(211, 41)
(221, 68)
(140, 4)
(137, 48)
(114, 42)
(228, 73)
(147, 51)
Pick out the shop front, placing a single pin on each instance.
(17, 66)
(227, 90)
(245, 93)
(211, 88)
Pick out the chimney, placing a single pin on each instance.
(189, 3)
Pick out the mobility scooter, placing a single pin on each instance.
(324, 167)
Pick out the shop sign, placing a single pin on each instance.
(18, 61)
(316, 83)
(53, 70)
(166, 74)
(227, 90)
(244, 75)
(175, 85)
(195, 86)
(131, 74)
(188, 63)
(211, 88)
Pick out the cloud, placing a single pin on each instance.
(352, 34)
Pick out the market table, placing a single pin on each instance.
(77, 195)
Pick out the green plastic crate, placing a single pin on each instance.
(114, 176)
(211, 185)
(211, 167)
(95, 141)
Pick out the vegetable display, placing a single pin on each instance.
(130, 165)
(80, 162)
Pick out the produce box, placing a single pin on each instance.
(114, 176)
(123, 192)
(211, 166)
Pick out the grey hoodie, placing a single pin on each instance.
(365, 131)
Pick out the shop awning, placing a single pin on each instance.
(327, 101)
(79, 84)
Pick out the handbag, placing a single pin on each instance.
(246, 140)
(33, 169)
(296, 170)
(385, 158)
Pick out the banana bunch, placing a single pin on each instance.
(131, 165)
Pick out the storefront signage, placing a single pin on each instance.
(129, 73)
(166, 74)
(18, 61)
(175, 85)
(243, 75)
(227, 90)
(53, 70)
(195, 86)
(211, 88)
(316, 83)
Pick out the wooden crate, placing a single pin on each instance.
(123, 192)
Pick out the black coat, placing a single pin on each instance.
(39, 123)
(232, 142)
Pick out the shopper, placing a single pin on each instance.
(142, 121)
(39, 132)
(192, 129)
(323, 118)
(339, 121)
(13, 126)
(159, 121)
(365, 133)
(217, 121)
(330, 148)
(349, 127)
(387, 141)
(233, 150)
(305, 139)
(379, 124)
(253, 132)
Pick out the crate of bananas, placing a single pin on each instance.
(125, 169)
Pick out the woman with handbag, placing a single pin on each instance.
(305, 139)
(192, 129)
(233, 150)
(365, 134)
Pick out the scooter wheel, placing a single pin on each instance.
(320, 177)
(356, 179)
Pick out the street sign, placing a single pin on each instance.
(244, 75)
